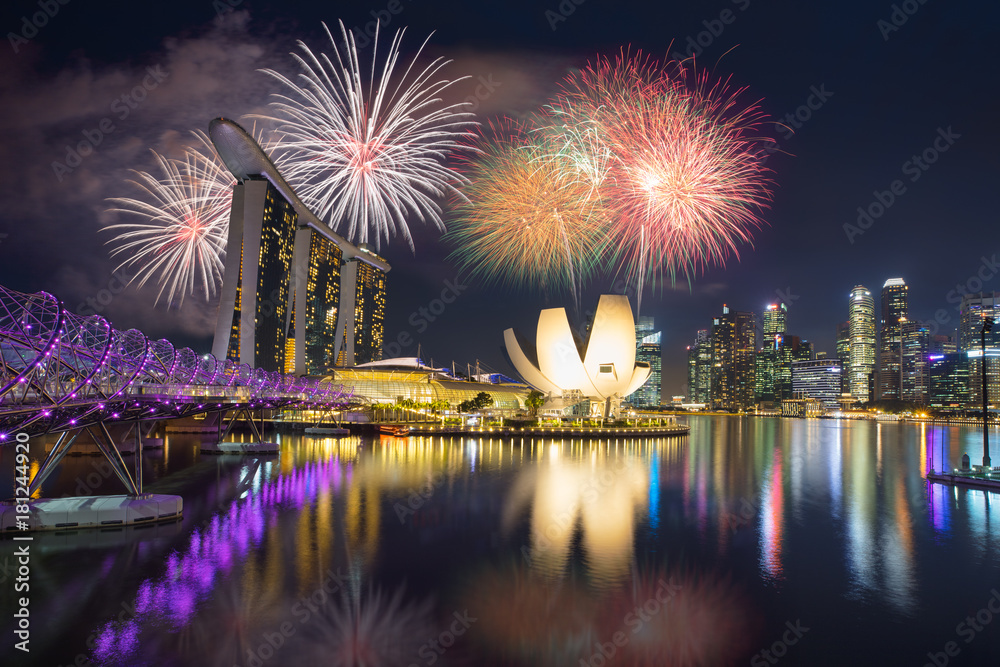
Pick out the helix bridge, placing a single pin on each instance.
(66, 374)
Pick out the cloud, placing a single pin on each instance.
(72, 136)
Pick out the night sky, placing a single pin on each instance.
(892, 80)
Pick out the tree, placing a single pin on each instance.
(482, 400)
(534, 401)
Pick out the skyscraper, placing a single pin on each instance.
(775, 321)
(261, 239)
(862, 352)
(975, 309)
(914, 370)
(818, 379)
(894, 308)
(733, 360)
(362, 313)
(700, 368)
(766, 374)
(282, 287)
(316, 293)
(649, 351)
(844, 354)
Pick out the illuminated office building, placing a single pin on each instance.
(262, 228)
(818, 379)
(700, 368)
(974, 309)
(914, 376)
(844, 354)
(775, 319)
(890, 346)
(733, 360)
(862, 350)
(285, 274)
(362, 327)
(648, 350)
(948, 380)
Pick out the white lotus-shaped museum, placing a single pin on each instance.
(607, 370)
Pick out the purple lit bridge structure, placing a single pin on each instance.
(67, 374)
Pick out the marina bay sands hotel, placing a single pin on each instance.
(296, 297)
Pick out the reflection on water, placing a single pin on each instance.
(383, 551)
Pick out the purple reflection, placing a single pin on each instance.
(190, 576)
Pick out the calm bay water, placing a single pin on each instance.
(817, 541)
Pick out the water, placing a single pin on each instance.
(818, 541)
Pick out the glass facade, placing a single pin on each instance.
(948, 385)
(862, 350)
(890, 351)
(818, 379)
(322, 302)
(733, 360)
(424, 386)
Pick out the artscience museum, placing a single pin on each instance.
(600, 370)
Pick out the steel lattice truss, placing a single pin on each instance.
(61, 371)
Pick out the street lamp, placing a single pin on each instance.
(987, 325)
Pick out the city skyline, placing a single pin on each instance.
(880, 177)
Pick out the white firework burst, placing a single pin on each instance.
(367, 156)
(181, 237)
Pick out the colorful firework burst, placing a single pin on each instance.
(181, 240)
(369, 155)
(651, 161)
(533, 214)
(685, 181)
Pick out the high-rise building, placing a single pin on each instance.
(775, 318)
(362, 310)
(649, 351)
(948, 385)
(700, 368)
(817, 379)
(283, 284)
(261, 241)
(862, 326)
(789, 349)
(733, 364)
(914, 376)
(315, 288)
(844, 354)
(975, 309)
(774, 325)
(894, 308)
(941, 344)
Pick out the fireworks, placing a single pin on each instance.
(653, 160)
(185, 222)
(369, 155)
(529, 219)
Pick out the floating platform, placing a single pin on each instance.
(318, 430)
(979, 480)
(92, 512)
(239, 448)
